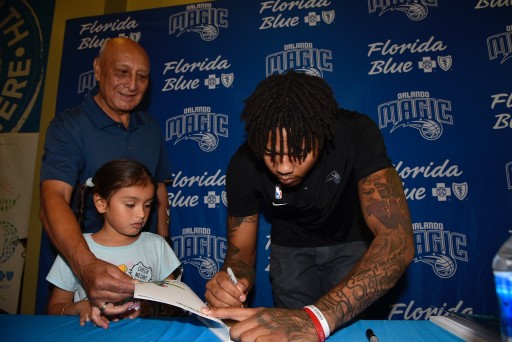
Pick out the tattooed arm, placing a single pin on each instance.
(386, 213)
(240, 256)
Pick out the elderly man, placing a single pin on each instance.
(105, 126)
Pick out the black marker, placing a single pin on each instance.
(371, 336)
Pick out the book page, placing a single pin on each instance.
(177, 293)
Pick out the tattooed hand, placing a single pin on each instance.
(266, 324)
(240, 257)
(221, 292)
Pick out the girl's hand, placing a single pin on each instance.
(83, 309)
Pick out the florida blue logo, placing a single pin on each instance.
(21, 64)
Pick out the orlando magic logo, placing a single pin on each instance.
(301, 57)
(207, 32)
(207, 267)
(205, 21)
(200, 248)
(207, 141)
(442, 265)
(414, 9)
(499, 44)
(416, 110)
(439, 248)
(429, 129)
(200, 125)
(334, 176)
(310, 71)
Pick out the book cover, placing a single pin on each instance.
(177, 293)
(469, 328)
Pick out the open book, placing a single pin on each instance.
(177, 293)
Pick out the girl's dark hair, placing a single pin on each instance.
(112, 176)
(303, 105)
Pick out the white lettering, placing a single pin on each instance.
(414, 193)
(117, 25)
(177, 200)
(207, 65)
(280, 6)
(493, 3)
(388, 48)
(501, 98)
(502, 121)
(419, 313)
(180, 83)
(278, 21)
(203, 180)
(389, 67)
(429, 171)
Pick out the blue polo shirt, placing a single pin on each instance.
(80, 140)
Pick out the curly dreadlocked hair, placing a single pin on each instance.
(301, 104)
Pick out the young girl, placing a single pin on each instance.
(123, 192)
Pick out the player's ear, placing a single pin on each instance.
(100, 203)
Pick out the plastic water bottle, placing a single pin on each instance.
(502, 268)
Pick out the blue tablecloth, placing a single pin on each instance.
(66, 328)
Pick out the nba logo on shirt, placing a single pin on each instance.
(279, 192)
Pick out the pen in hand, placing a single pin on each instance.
(370, 335)
(232, 276)
(234, 281)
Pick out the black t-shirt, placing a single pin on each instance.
(324, 209)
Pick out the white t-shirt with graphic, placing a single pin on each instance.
(150, 258)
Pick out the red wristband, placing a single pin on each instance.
(318, 325)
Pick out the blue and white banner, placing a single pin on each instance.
(25, 29)
(433, 74)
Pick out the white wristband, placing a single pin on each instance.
(321, 318)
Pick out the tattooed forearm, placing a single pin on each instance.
(235, 222)
(232, 251)
(241, 269)
(385, 211)
(383, 199)
(238, 257)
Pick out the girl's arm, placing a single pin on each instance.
(61, 303)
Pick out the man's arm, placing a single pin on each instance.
(103, 281)
(162, 227)
(240, 256)
(387, 215)
(61, 224)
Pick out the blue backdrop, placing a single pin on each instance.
(433, 74)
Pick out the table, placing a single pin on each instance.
(66, 328)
